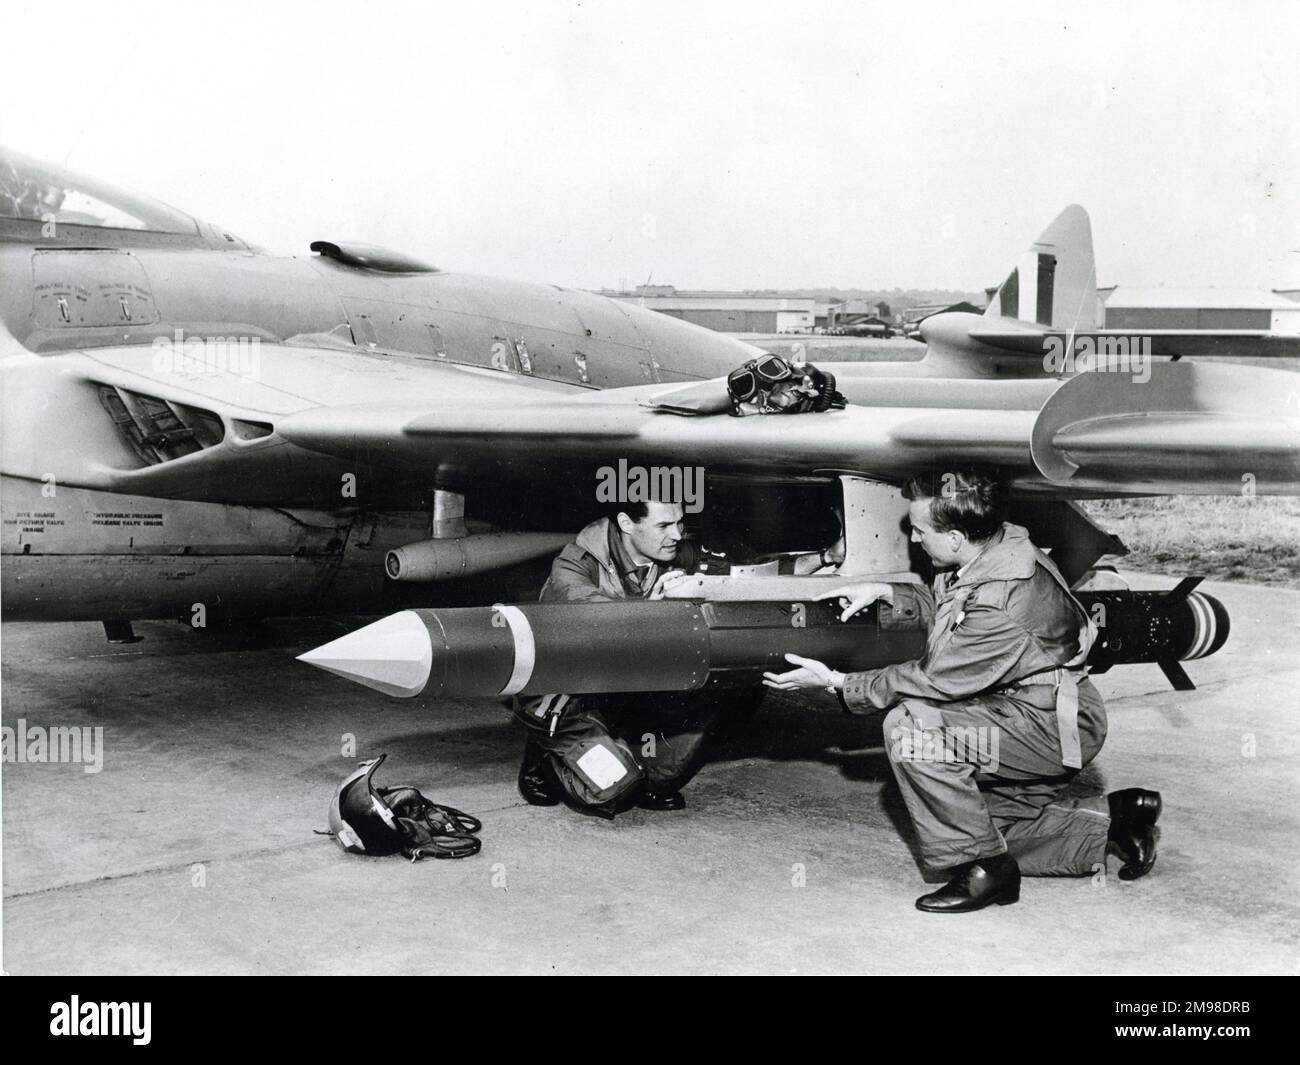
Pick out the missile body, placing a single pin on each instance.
(687, 645)
(632, 646)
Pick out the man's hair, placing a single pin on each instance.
(636, 511)
(961, 500)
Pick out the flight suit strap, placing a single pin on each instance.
(1068, 677)
(1066, 681)
(542, 711)
(1067, 717)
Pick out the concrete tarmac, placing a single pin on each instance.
(192, 850)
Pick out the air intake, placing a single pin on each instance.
(160, 430)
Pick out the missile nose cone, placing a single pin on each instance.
(393, 655)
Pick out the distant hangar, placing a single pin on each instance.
(1216, 309)
(726, 312)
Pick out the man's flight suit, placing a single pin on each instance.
(988, 727)
(603, 747)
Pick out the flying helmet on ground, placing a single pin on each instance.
(361, 821)
(381, 821)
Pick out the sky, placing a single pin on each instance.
(701, 144)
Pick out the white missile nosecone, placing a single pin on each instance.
(392, 655)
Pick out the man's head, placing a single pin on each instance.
(953, 514)
(651, 530)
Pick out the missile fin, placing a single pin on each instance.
(1183, 589)
(1176, 675)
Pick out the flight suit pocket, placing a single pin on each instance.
(605, 767)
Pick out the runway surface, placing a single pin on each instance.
(193, 851)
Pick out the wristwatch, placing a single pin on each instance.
(835, 683)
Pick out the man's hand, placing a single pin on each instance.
(810, 674)
(666, 580)
(855, 597)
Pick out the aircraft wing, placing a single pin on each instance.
(311, 415)
(1188, 429)
(644, 424)
(1196, 425)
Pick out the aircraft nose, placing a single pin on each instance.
(392, 655)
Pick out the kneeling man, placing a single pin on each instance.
(605, 753)
(988, 727)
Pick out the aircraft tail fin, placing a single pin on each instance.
(1054, 282)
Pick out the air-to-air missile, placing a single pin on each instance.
(1166, 628)
(691, 644)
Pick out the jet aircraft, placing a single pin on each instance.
(194, 427)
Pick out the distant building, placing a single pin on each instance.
(726, 312)
(824, 314)
(863, 325)
(1211, 309)
(864, 307)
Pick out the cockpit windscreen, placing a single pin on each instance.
(35, 191)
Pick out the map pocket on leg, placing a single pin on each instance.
(605, 767)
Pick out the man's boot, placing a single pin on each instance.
(976, 885)
(1135, 804)
(537, 781)
(1133, 816)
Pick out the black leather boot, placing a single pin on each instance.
(976, 885)
(1133, 815)
(537, 781)
(1136, 847)
(1135, 805)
